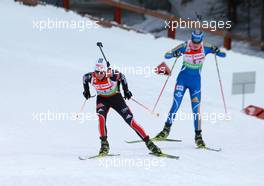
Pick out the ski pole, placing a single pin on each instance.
(146, 108)
(100, 45)
(82, 107)
(220, 82)
(164, 86)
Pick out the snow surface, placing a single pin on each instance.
(42, 72)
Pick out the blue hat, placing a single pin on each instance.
(197, 36)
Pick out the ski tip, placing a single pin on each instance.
(82, 158)
(175, 140)
(97, 156)
(136, 141)
(217, 150)
(210, 149)
(156, 140)
(167, 139)
(164, 155)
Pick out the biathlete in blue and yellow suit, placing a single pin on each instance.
(194, 52)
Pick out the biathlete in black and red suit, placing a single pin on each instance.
(107, 82)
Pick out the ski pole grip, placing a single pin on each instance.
(99, 44)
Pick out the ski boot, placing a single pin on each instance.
(104, 146)
(164, 133)
(152, 147)
(198, 139)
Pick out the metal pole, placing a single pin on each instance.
(153, 110)
(100, 45)
(117, 15)
(243, 96)
(220, 82)
(146, 108)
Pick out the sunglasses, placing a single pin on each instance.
(99, 72)
(196, 42)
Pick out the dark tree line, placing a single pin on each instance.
(248, 7)
(238, 11)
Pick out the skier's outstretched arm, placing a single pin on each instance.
(211, 49)
(86, 80)
(177, 51)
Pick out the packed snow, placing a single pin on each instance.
(41, 72)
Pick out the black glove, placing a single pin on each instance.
(176, 54)
(127, 94)
(215, 49)
(87, 95)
